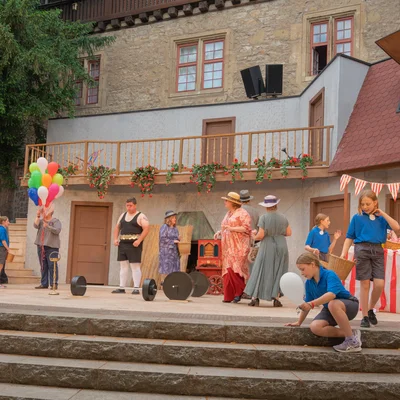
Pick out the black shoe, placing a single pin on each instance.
(118, 291)
(365, 323)
(372, 317)
(277, 303)
(226, 301)
(236, 299)
(135, 291)
(254, 303)
(41, 287)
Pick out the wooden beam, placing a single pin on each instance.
(158, 15)
(129, 20)
(188, 9)
(203, 6)
(173, 12)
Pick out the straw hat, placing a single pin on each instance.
(270, 201)
(170, 214)
(233, 198)
(245, 195)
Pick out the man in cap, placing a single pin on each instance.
(131, 229)
(254, 214)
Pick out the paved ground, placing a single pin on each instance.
(101, 301)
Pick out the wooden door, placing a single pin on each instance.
(393, 207)
(90, 241)
(219, 150)
(333, 207)
(316, 136)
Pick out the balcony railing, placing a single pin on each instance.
(125, 156)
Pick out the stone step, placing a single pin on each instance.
(18, 280)
(57, 320)
(196, 381)
(15, 265)
(17, 227)
(28, 392)
(21, 220)
(18, 272)
(174, 352)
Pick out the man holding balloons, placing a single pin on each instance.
(45, 186)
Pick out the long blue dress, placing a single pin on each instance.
(169, 256)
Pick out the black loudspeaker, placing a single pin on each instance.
(273, 79)
(253, 81)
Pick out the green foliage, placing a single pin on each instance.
(39, 64)
(203, 175)
(100, 178)
(144, 178)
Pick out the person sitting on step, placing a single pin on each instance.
(324, 288)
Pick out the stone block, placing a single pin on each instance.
(102, 25)
(188, 9)
(116, 23)
(129, 20)
(144, 17)
(220, 4)
(203, 6)
(120, 328)
(235, 2)
(158, 15)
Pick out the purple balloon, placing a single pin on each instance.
(33, 195)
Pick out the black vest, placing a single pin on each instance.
(131, 227)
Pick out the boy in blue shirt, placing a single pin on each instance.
(324, 288)
(318, 240)
(368, 231)
(4, 246)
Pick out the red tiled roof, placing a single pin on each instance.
(372, 136)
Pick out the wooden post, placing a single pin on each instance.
(346, 208)
(180, 155)
(118, 158)
(85, 158)
(328, 146)
(250, 149)
(26, 165)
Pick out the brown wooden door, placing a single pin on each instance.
(333, 207)
(316, 136)
(394, 208)
(219, 150)
(89, 243)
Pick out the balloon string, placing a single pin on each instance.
(43, 254)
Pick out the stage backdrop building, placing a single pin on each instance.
(170, 88)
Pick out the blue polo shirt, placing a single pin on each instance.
(3, 236)
(318, 241)
(362, 229)
(328, 282)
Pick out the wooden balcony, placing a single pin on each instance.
(125, 156)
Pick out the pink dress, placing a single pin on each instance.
(236, 245)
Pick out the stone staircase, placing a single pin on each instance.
(16, 271)
(84, 357)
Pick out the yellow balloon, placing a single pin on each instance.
(34, 167)
(47, 180)
(58, 178)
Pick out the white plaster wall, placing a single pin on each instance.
(295, 204)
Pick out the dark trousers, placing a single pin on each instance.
(47, 266)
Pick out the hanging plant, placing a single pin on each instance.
(235, 169)
(203, 175)
(66, 172)
(305, 161)
(143, 177)
(261, 165)
(173, 168)
(271, 164)
(289, 162)
(99, 178)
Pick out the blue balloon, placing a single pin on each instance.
(33, 195)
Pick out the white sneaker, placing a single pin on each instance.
(357, 334)
(351, 345)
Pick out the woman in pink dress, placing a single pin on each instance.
(235, 241)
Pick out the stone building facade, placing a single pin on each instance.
(139, 71)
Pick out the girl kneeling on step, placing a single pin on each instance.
(324, 288)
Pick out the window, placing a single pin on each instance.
(328, 38)
(93, 91)
(204, 58)
(89, 94)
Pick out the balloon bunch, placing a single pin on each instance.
(45, 184)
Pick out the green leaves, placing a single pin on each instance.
(39, 64)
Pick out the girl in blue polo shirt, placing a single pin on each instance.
(368, 231)
(318, 240)
(324, 288)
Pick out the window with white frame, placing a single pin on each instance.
(329, 37)
(200, 65)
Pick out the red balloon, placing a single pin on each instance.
(52, 168)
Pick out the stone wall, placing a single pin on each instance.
(138, 70)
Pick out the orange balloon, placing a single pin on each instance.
(47, 180)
